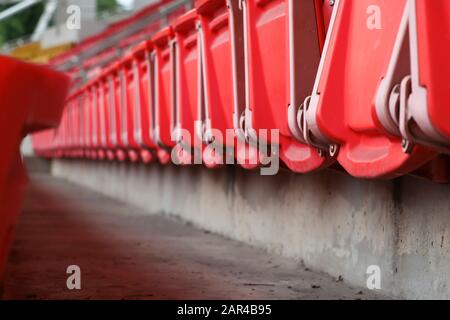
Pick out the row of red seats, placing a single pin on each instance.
(111, 31)
(362, 83)
(32, 98)
(90, 55)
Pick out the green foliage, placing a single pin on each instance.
(24, 23)
(21, 24)
(106, 6)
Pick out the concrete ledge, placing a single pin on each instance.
(330, 221)
(141, 256)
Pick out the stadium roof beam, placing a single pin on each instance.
(44, 21)
(17, 8)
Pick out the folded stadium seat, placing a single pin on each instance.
(279, 80)
(187, 89)
(97, 106)
(38, 109)
(103, 105)
(103, 120)
(223, 80)
(96, 153)
(116, 111)
(59, 141)
(145, 102)
(72, 112)
(340, 116)
(85, 119)
(77, 123)
(89, 98)
(131, 109)
(101, 59)
(164, 99)
(82, 127)
(63, 131)
(106, 106)
(61, 136)
(68, 119)
(139, 37)
(73, 73)
(421, 88)
(174, 14)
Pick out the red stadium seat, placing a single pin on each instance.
(187, 88)
(164, 99)
(38, 109)
(223, 81)
(130, 107)
(341, 114)
(105, 104)
(116, 113)
(418, 78)
(280, 79)
(144, 122)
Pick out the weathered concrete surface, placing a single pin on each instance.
(328, 220)
(127, 254)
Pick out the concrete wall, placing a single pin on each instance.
(329, 221)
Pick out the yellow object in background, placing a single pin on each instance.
(33, 52)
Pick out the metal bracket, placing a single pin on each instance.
(387, 100)
(322, 147)
(403, 108)
(202, 124)
(304, 58)
(174, 103)
(151, 57)
(156, 127)
(405, 93)
(239, 66)
(245, 128)
(306, 115)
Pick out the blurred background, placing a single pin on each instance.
(25, 22)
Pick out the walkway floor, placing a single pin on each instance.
(125, 253)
